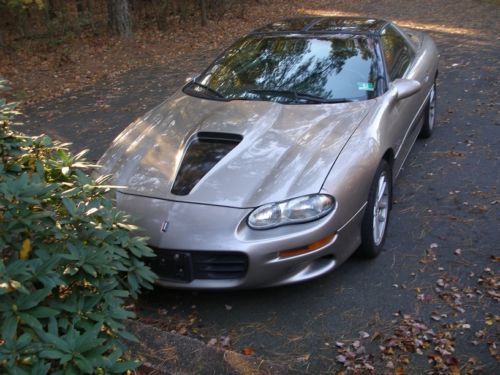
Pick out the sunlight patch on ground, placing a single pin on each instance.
(403, 23)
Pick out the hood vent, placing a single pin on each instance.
(204, 151)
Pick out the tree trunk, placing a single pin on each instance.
(80, 7)
(50, 10)
(119, 17)
(162, 15)
(203, 9)
(90, 13)
(183, 9)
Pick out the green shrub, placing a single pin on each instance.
(68, 261)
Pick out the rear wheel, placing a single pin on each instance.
(376, 219)
(430, 114)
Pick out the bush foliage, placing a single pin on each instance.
(69, 260)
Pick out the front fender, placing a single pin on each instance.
(352, 173)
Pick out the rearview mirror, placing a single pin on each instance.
(406, 87)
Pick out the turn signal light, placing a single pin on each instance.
(307, 249)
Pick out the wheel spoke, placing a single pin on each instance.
(381, 190)
(380, 209)
(375, 230)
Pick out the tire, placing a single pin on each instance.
(376, 219)
(430, 114)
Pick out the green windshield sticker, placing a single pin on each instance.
(366, 86)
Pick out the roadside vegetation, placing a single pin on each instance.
(68, 261)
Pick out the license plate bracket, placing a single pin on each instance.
(173, 265)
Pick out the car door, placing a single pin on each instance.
(399, 57)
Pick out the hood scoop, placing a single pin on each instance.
(202, 153)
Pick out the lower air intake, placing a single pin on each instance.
(184, 266)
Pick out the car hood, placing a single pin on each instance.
(286, 151)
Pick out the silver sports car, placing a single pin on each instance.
(277, 162)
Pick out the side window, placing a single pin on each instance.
(397, 53)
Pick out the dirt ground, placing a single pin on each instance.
(430, 302)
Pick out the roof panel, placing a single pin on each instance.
(291, 25)
(350, 24)
(324, 25)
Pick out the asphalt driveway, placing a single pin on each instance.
(440, 265)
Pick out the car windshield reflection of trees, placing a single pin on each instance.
(329, 68)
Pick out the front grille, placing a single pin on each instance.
(185, 266)
(219, 265)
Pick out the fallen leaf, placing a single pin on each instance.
(303, 358)
(404, 359)
(25, 251)
(341, 358)
(226, 341)
(248, 350)
(363, 334)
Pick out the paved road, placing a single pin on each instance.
(445, 199)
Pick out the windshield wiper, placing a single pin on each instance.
(299, 95)
(215, 92)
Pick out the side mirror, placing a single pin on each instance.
(191, 77)
(405, 87)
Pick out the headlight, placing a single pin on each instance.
(297, 210)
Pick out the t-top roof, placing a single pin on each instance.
(333, 25)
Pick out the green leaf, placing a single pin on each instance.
(70, 206)
(9, 327)
(122, 367)
(58, 342)
(43, 312)
(89, 339)
(24, 340)
(66, 358)
(51, 354)
(30, 320)
(40, 368)
(84, 365)
(31, 300)
(128, 336)
(90, 270)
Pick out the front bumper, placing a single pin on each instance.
(187, 230)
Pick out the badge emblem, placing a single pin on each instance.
(164, 226)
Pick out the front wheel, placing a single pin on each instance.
(376, 219)
(430, 114)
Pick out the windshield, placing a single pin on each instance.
(292, 69)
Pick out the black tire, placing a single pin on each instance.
(430, 114)
(378, 207)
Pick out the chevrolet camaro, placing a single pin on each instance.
(277, 162)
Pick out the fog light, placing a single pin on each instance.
(307, 249)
